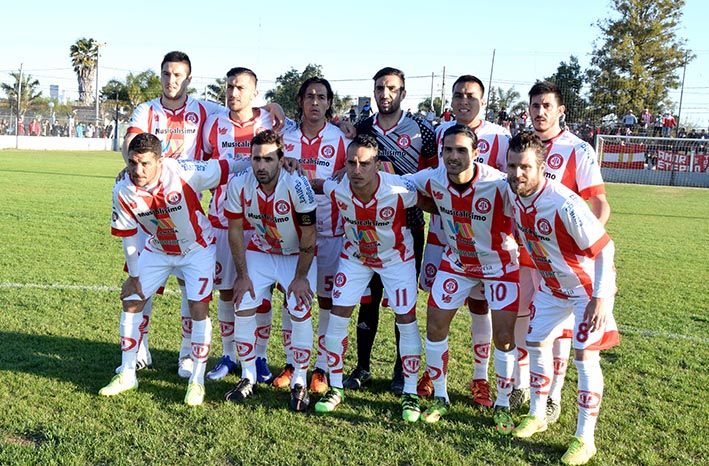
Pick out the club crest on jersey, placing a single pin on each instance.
(589, 400)
(386, 213)
(450, 285)
(483, 145)
(340, 279)
(555, 161)
(191, 117)
(430, 270)
(404, 141)
(282, 207)
(483, 205)
(173, 197)
(327, 151)
(544, 226)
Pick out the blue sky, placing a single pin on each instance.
(351, 40)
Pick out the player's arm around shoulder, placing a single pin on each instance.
(302, 193)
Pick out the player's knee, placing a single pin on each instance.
(477, 306)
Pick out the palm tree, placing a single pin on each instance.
(84, 56)
(29, 92)
(510, 99)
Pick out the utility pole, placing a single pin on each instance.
(98, 46)
(489, 84)
(17, 115)
(443, 92)
(431, 90)
(681, 92)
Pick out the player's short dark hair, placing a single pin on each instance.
(546, 87)
(268, 137)
(366, 141)
(304, 87)
(177, 57)
(528, 140)
(143, 143)
(469, 78)
(389, 71)
(464, 130)
(241, 70)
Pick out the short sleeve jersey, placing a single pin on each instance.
(493, 142)
(273, 216)
(225, 138)
(477, 229)
(572, 162)
(179, 131)
(170, 212)
(320, 157)
(407, 147)
(376, 233)
(562, 236)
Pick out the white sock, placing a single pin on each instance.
(541, 368)
(286, 334)
(130, 336)
(590, 394)
(226, 315)
(336, 340)
(504, 371)
(144, 348)
(323, 320)
(263, 331)
(201, 343)
(437, 366)
(481, 333)
(186, 346)
(522, 359)
(302, 345)
(562, 348)
(245, 339)
(410, 350)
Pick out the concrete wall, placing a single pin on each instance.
(655, 177)
(55, 143)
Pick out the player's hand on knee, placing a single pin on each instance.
(300, 288)
(595, 315)
(241, 287)
(132, 287)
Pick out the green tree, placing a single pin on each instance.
(508, 99)
(216, 92)
(342, 104)
(84, 56)
(425, 104)
(637, 63)
(28, 92)
(571, 79)
(137, 88)
(287, 86)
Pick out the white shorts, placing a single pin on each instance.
(551, 315)
(450, 290)
(399, 282)
(225, 270)
(429, 265)
(265, 270)
(197, 268)
(329, 249)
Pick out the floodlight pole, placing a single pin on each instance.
(681, 94)
(17, 114)
(98, 53)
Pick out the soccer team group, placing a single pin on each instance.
(516, 234)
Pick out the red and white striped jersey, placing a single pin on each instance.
(493, 142)
(179, 131)
(169, 212)
(376, 233)
(320, 157)
(476, 222)
(224, 138)
(562, 236)
(572, 162)
(272, 216)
